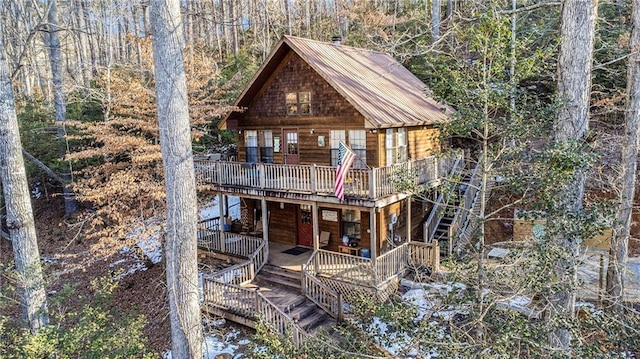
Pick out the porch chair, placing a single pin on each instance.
(324, 238)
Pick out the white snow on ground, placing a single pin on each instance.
(212, 210)
(215, 344)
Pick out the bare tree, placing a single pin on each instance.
(19, 218)
(577, 33)
(55, 56)
(620, 239)
(175, 140)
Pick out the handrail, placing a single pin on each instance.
(278, 319)
(462, 212)
(322, 295)
(432, 223)
(391, 263)
(425, 253)
(363, 183)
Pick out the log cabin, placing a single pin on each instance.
(305, 99)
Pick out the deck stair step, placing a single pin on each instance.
(303, 311)
(280, 277)
(312, 321)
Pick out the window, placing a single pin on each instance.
(395, 144)
(266, 146)
(401, 145)
(351, 223)
(251, 145)
(358, 143)
(336, 137)
(298, 103)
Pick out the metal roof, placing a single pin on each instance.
(379, 87)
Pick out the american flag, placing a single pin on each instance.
(345, 159)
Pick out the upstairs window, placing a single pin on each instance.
(298, 103)
(251, 145)
(336, 137)
(395, 144)
(266, 146)
(358, 143)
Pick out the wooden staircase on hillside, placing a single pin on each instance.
(453, 214)
(283, 287)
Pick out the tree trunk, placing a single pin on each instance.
(435, 19)
(17, 198)
(620, 239)
(574, 88)
(175, 139)
(55, 57)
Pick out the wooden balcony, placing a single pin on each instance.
(370, 184)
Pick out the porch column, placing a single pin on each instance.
(265, 220)
(316, 231)
(409, 219)
(221, 222)
(374, 235)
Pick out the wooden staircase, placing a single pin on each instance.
(283, 288)
(454, 213)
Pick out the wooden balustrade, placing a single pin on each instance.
(392, 263)
(279, 320)
(341, 266)
(369, 183)
(230, 297)
(425, 253)
(324, 297)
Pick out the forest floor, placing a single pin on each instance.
(72, 259)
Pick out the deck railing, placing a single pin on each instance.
(324, 297)
(229, 297)
(425, 253)
(392, 263)
(361, 271)
(313, 179)
(345, 267)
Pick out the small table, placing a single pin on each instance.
(354, 251)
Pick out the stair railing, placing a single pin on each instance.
(278, 320)
(463, 211)
(435, 217)
(322, 295)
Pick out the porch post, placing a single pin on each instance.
(409, 219)
(221, 222)
(374, 235)
(316, 230)
(265, 220)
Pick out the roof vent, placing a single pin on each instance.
(336, 40)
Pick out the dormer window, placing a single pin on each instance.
(298, 103)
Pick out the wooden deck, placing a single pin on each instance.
(315, 292)
(372, 183)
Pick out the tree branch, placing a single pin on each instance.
(44, 167)
(529, 8)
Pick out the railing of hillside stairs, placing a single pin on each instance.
(224, 290)
(279, 320)
(366, 183)
(463, 211)
(433, 221)
(326, 298)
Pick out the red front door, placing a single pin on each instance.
(291, 155)
(305, 226)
